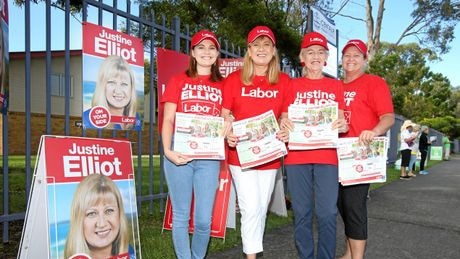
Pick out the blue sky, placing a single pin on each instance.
(396, 18)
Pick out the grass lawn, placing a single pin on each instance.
(155, 243)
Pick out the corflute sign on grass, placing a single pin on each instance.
(82, 202)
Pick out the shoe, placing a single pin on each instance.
(406, 177)
(423, 172)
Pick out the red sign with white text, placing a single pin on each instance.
(71, 159)
(103, 42)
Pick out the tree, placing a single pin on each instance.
(417, 92)
(433, 23)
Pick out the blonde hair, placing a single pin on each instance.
(406, 124)
(273, 71)
(111, 67)
(91, 190)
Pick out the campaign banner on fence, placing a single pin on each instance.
(199, 136)
(257, 142)
(220, 210)
(88, 188)
(4, 57)
(313, 126)
(113, 79)
(360, 163)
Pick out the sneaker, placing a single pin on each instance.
(425, 172)
(406, 177)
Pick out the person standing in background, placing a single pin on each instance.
(405, 147)
(187, 177)
(424, 145)
(254, 186)
(446, 145)
(414, 149)
(312, 175)
(369, 113)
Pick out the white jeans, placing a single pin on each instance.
(254, 190)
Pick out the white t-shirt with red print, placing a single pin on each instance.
(245, 101)
(313, 92)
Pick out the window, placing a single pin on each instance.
(58, 85)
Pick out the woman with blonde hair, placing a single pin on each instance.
(116, 91)
(257, 88)
(407, 141)
(98, 225)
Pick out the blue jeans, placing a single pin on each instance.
(314, 187)
(413, 159)
(198, 178)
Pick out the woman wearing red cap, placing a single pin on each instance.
(187, 177)
(254, 186)
(369, 113)
(312, 175)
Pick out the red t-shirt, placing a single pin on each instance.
(194, 95)
(366, 99)
(245, 101)
(313, 92)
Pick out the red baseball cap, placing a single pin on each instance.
(314, 38)
(362, 47)
(204, 35)
(261, 31)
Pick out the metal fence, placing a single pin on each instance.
(128, 17)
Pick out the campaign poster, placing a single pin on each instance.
(91, 198)
(435, 153)
(4, 57)
(113, 79)
(257, 142)
(313, 126)
(229, 65)
(199, 136)
(360, 163)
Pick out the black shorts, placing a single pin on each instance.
(405, 157)
(352, 205)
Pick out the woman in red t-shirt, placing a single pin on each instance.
(198, 91)
(262, 77)
(312, 175)
(369, 113)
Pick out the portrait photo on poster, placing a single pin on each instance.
(96, 217)
(113, 93)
